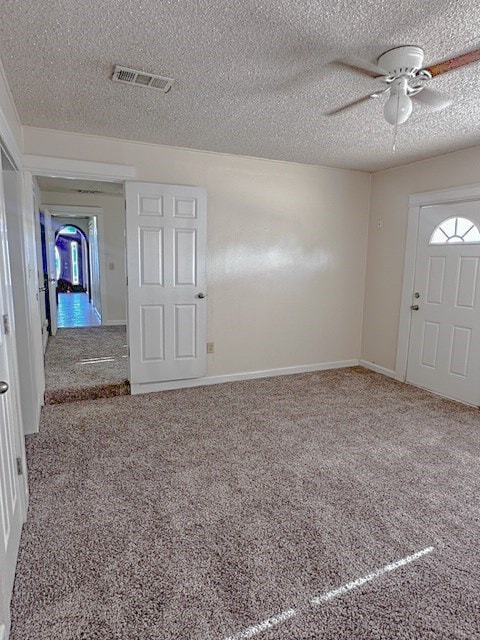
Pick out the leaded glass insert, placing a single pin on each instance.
(455, 231)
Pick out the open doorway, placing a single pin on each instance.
(75, 277)
(78, 291)
(81, 251)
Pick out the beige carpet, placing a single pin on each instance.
(209, 513)
(86, 363)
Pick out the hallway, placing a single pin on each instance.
(75, 310)
(86, 363)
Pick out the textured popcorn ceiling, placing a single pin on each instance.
(252, 77)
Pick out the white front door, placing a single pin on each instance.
(167, 309)
(52, 271)
(12, 502)
(444, 347)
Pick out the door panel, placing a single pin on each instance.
(467, 282)
(436, 278)
(460, 351)
(151, 256)
(185, 331)
(444, 347)
(166, 245)
(430, 343)
(12, 488)
(153, 332)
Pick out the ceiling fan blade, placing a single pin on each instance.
(363, 66)
(454, 63)
(350, 105)
(433, 99)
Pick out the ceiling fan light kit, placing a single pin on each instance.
(405, 78)
(398, 108)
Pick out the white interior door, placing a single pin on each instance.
(12, 502)
(52, 272)
(167, 312)
(41, 279)
(444, 347)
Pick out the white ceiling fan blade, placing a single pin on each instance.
(358, 64)
(433, 99)
(350, 105)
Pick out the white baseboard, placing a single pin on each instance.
(114, 323)
(150, 387)
(376, 367)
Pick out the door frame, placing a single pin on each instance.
(84, 211)
(13, 152)
(51, 167)
(40, 267)
(416, 201)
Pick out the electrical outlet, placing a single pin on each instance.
(380, 223)
(210, 347)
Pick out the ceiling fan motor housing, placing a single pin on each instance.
(402, 61)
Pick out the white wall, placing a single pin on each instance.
(111, 247)
(386, 247)
(286, 248)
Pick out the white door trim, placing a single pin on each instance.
(88, 212)
(6, 132)
(80, 169)
(71, 210)
(416, 201)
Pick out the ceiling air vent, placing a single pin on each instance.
(150, 80)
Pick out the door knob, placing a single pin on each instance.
(414, 307)
(3, 387)
(201, 295)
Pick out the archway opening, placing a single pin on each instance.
(71, 260)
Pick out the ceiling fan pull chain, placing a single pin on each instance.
(394, 145)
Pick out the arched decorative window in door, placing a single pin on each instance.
(71, 258)
(455, 231)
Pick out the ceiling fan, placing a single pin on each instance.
(405, 78)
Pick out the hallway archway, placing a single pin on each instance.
(71, 260)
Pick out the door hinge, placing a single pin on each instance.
(6, 325)
(19, 467)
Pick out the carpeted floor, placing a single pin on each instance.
(86, 363)
(198, 514)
